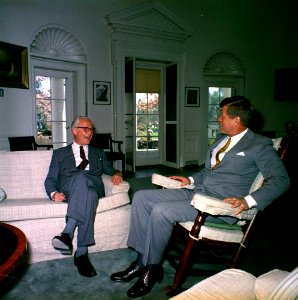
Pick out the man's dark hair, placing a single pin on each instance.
(239, 106)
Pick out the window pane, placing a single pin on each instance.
(141, 106)
(42, 87)
(147, 121)
(215, 95)
(152, 103)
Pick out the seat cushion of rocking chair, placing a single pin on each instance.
(219, 232)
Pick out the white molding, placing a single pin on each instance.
(192, 149)
(150, 19)
(224, 63)
(151, 32)
(57, 43)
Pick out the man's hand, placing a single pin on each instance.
(117, 178)
(239, 203)
(184, 181)
(58, 197)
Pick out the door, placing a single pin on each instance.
(54, 107)
(151, 127)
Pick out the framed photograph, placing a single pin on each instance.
(13, 66)
(101, 92)
(192, 96)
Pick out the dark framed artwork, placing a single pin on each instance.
(192, 96)
(101, 92)
(13, 66)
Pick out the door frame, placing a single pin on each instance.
(77, 71)
(120, 52)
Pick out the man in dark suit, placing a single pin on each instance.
(75, 177)
(231, 166)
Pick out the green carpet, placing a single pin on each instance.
(59, 279)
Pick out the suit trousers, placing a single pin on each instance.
(153, 216)
(82, 200)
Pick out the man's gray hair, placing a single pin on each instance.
(76, 121)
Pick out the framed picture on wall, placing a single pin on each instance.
(101, 92)
(192, 96)
(13, 66)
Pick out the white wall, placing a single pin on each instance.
(263, 34)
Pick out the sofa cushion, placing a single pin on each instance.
(23, 173)
(43, 208)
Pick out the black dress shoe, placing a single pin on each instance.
(130, 273)
(84, 265)
(63, 243)
(146, 281)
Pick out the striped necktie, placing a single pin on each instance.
(221, 150)
(84, 163)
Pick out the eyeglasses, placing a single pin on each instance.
(86, 129)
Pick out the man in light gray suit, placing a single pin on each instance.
(75, 177)
(231, 166)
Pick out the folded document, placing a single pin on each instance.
(169, 183)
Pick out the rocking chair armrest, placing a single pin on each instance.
(214, 206)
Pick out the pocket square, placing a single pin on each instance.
(241, 154)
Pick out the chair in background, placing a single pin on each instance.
(25, 143)
(222, 244)
(104, 141)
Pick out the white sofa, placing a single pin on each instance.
(235, 284)
(28, 207)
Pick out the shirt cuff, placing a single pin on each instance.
(250, 201)
(191, 180)
(53, 194)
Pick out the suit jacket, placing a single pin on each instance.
(63, 167)
(239, 167)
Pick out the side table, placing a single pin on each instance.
(13, 245)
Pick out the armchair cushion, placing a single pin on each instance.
(216, 206)
(216, 233)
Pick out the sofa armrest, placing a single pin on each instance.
(216, 206)
(234, 284)
(111, 189)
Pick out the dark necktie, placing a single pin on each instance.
(84, 161)
(221, 150)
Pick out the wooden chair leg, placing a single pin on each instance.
(186, 256)
(242, 246)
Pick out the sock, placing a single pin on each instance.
(81, 251)
(70, 226)
(153, 267)
(139, 260)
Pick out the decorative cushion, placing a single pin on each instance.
(2, 194)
